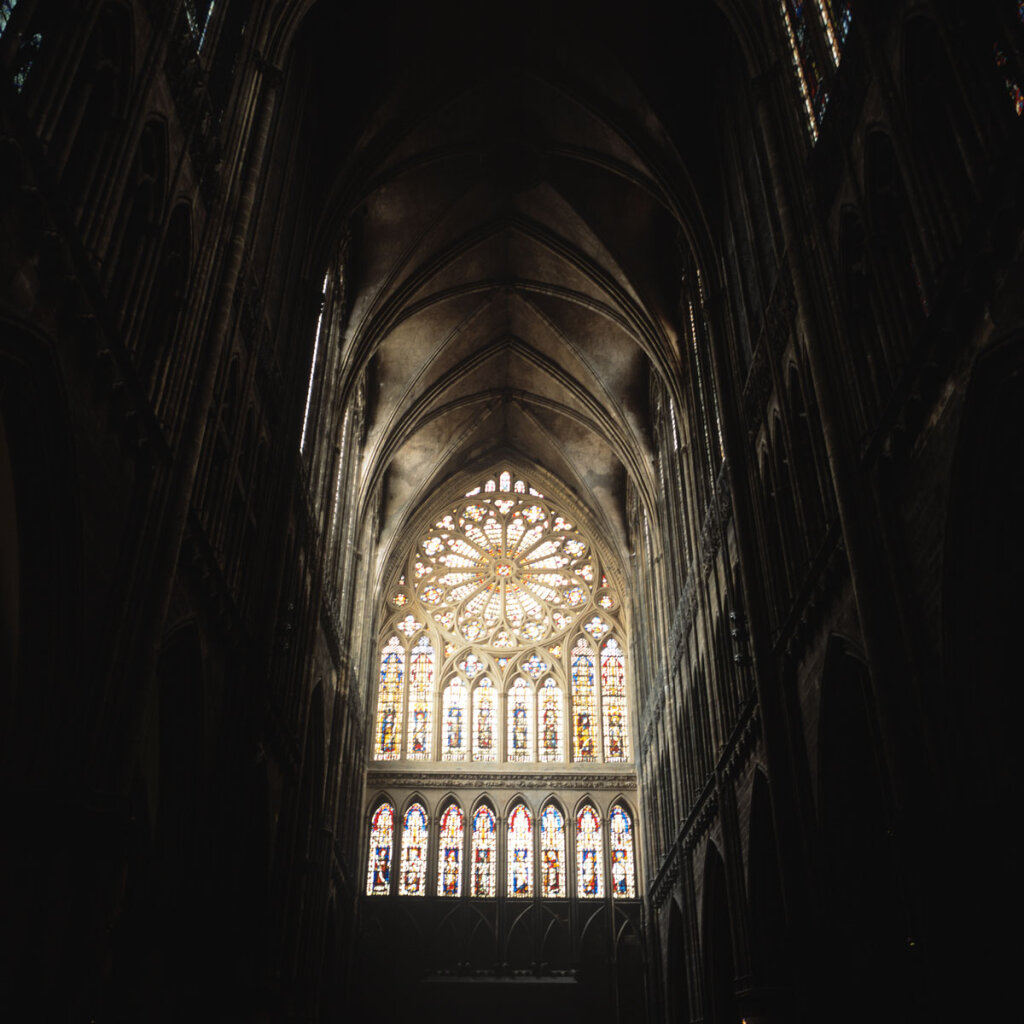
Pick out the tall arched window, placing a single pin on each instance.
(454, 719)
(584, 704)
(520, 721)
(620, 838)
(549, 722)
(589, 863)
(413, 880)
(485, 721)
(520, 852)
(816, 32)
(421, 699)
(484, 852)
(389, 702)
(506, 601)
(613, 701)
(382, 843)
(449, 854)
(552, 853)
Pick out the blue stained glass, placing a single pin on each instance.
(382, 837)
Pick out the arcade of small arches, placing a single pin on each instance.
(532, 860)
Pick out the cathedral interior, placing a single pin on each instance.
(510, 510)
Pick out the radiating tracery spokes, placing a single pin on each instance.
(496, 568)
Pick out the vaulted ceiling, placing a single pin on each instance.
(516, 211)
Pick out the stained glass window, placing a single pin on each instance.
(498, 590)
(816, 33)
(382, 842)
(584, 704)
(520, 716)
(454, 726)
(485, 721)
(449, 854)
(620, 836)
(520, 852)
(484, 852)
(413, 881)
(1006, 53)
(421, 698)
(388, 739)
(549, 721)
(613, 702)
(552, 853)
(589, 868)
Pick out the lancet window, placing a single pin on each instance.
(589, 859)
(552, 853)
(549, 722)
(413, 880)
(485, 721)
(613, 698)
(584, 704)
(816, 31)
(455, 721)
(389, 701)
(484, 852)
(449, 856)
(520, 852)
(382, 842)
(421, 697)
(520, 725)
(620, 839)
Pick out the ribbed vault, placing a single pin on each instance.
(514, 226)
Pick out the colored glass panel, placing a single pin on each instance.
(520, 715)
(613, 702)
(485, 721)
(520, 852)
(620, 838)
(502, 569)
(484, 852)
(589, 867)
(552, 853)
(413, 881)
(454, 726)
(549, 721)
(584, 704)
(382, 843)
(808, 78)
(388, 736)
(421, 696)
(449, 854)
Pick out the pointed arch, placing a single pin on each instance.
(484, 848)
(614, 703)
(450, 850)
(415, 838)
(381, 848)
(388, 732)
(589, 853)
(585, 741)
(485, 720)
(520, 851)
(520, 720)
(550, 722)
(553, 881)
(421, 698)
(622, 848)
(455, 720)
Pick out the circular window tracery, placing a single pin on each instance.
(503, 568)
